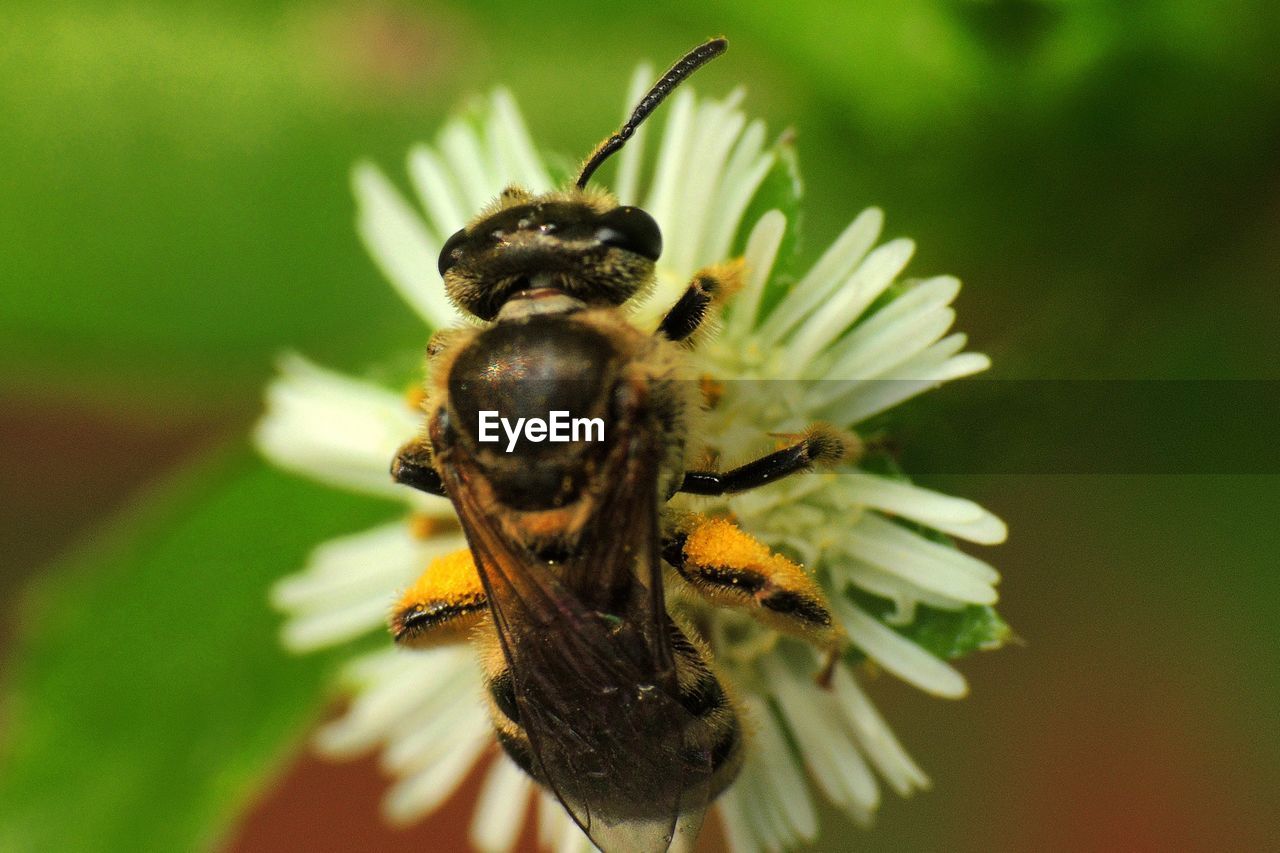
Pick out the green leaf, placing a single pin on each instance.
(953, 633)
(177, 203)
(149, 698)
(948, 634)
(781, 189)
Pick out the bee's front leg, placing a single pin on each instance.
(412, 467)
(731, 568)
(710, 285)
(443, 605)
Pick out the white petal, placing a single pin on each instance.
(847, 303)
(919, 295)
(551, 820)
(946, 556)
(438, 192)
(426, 737)
(500, 810)
(514, 147)
(897, 654)
(935, 366)
(758, 807)
(572, 839)
(882, 348)
(417, 795)
(929, 565)
(965, 364)
(400, 244)
(627, 184)
(761, 252)
(334, 429)
(921, 298)
(892, 586)
(401, 683)
(468, 163)
(716, 127)
(664, 195)
(323, 628)
(957, 516)
(827, 749)
(780, 807)
(737, 829)
(812, 291)
(875, 737)
(338, 559)
(746, 170)
(348, 569)
(374, 668)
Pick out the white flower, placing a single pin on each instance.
(423, 708)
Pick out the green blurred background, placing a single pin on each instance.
(175, 211)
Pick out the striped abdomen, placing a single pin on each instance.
(710, 734)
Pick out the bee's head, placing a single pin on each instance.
(578, 243)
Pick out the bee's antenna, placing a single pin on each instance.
(689, 63)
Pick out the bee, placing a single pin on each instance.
(595, 689)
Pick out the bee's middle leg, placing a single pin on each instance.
(442, 605)
(821, 445)
(709, 285)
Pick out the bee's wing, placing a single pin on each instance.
(596, 691)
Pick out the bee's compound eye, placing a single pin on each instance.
(452, 250)
(630, 229)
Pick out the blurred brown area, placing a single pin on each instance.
(322, 805)
(66, 468)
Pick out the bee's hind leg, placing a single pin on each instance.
(442, 605)
(821, 445)
(709, 286)
(731, 568)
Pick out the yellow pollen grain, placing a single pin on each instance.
(712, 390)
(423, 526)
(414, 397)
(447, 577)
(731, 275)
(719, 542)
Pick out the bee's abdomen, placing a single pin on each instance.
(711, 733)
(703, 697)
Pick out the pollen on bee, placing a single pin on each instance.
(423, 526)
(414, 396)
(720, 542)
(712, 390)
(728, 278)
(447, 576)
(442, 605)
